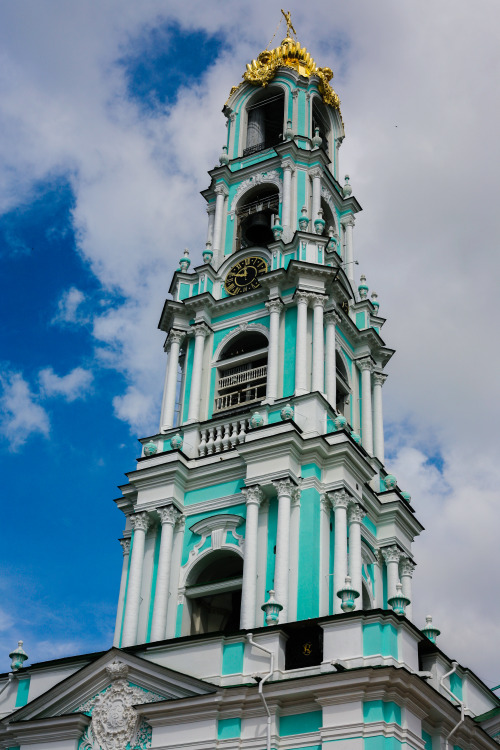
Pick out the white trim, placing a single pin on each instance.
(247, 327)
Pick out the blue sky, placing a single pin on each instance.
(110, 116)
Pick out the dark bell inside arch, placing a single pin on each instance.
(257, 228)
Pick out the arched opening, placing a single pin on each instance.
(328, 217)
(242, 372)
(214, 593)
(365, 596)
(343, 390)
(256, 216)
(265, 113)
(321, 120)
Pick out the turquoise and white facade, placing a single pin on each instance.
(265, 598)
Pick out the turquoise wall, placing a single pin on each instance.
(232, 658)
(380, 638)
(383, 743)
(272, 527)
(153, 582)
(456, 685)
(309, 553)
(23, 689)
(189, 370)
(378, 710)
(300, 723)
(289, 352)
(228, 729)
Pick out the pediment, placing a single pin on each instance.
(97, 702)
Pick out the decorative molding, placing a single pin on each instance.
(175, 337)
(262, 178)
(201, 329)
(287, 164)
(216, 527)
(318, 300)
(391, 554)
(258, 327)
(125, 545)
(347, 220)
(168, 514)
(339, 499)
(285, 487)
(140, 521)
(332, 317)
(302, 297)
(315, 172)
(365, 363)
(407, 567)
(379, 378)
(221, 189)
(275, 305)
(356, 513)
(253, 495)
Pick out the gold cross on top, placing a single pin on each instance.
(289, 24)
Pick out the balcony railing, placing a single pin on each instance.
(239, 395)
(245, 376)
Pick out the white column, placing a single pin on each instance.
(201, 331)
(340, 501)
(356, 515)
(378, 416)
(262, 540)
(332, 319)
(324, 559)
(174, 342)
(174, 576)
(315, 175)
(125, 544)
(168, 517)
(140, 524)
(406, 572)
(284, 488)
(232, 118)
(338, 143)
(318, 353)
(221, 192)
(392, 556)
(275, 306)
(366, 367)
(211, 223)
(288, 169)
(301, 385)
(378, 567)
(253, 497)
(293, 576)
(348, 222)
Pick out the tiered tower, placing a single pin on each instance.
(265, 598)
(267, 473)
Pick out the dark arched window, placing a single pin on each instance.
(214, 593)
(242, 372)
(255, 216)
(264, 120)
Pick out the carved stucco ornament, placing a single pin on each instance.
(115, 722)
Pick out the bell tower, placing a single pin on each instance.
(264, 497)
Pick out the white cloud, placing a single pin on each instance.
(20, 414)
(76, 384)
(69, 307)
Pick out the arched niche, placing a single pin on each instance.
(213, 592)
(343, 384)
(241, 362)
(264, 119)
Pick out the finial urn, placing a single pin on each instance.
(317, 140)
(18, 657)
(319, 223)
(224, 158)
(399, 602)
(375, 302)
(150, 449)
(363, 287)
(208, 253)
(272, 609)
(390, 481)
(185, 262)
(303, 219)
(348, 595)
(430, 630)
(277, 229)
(347, 189)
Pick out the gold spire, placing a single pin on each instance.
(290, 54)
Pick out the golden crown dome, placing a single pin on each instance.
(290, 54)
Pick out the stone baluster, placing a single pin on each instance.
(210, 441)
(218, 439)
(356, 515)
(318, 353)
(253, 497)
(234, 434)
(202, 449)
(168, 518)
(125, 545)
(225, 438)
(140, 525)
(379, 379)
(340, 501)
(201, 331)
(275, 306)
(242, 435)
(173, 344)
(365, 365)
(392, 556)
(301, 384)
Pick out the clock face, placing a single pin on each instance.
(244, 275)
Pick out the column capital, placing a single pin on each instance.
(339, 499)
(379, 378)
(391, 554)
(365, 363)
(356, 513)
(253, 495)
(347, 220)
(325, 503)
(201, 329)
(274, 305)
(140, 521)
(168, 514)
(221, 189)
(407, 567)
(287, 164)
(301, 297)
(315, 172)
(180, 523)
(125, 545)
(210, 208)
(285, 486)
(318, 300)
(332, 318)
(175, 336)
(295, 93)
